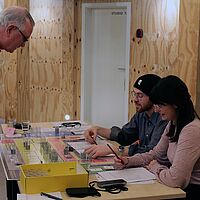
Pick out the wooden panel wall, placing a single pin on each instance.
(51, 60)
(188, 44)
(198, 76)
(157, 51)
(8, 79)
(37, 81)
(41, 82)
(2, 85)
(23, 77)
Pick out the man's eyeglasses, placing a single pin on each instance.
(137, 95)
(25, 39)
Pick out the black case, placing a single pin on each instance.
(82, 192)
(111, 183)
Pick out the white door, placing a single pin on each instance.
(104, 70)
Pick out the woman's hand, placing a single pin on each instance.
(119, 162)
(155, 167)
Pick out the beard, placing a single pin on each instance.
(142, 108)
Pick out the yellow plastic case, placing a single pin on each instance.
(52, 177)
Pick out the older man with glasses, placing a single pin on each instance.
(16, 26)
(141, 133)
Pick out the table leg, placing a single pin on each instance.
(12, 189)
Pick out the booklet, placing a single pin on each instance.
(130, 175)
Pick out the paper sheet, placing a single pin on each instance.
(130, 175)
(37, 196)
(82, 145)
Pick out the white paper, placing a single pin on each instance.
(130, 175)
(82, 145)
(37, 196)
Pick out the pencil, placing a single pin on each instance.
(92, 136)
(94, 141)
(50, 196)
(115, 154)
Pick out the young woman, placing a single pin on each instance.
(175, 160)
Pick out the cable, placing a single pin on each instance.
(116, 189)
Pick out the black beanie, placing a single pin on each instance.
(170, 90)
(146, 82)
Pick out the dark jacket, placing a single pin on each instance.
(147, 130)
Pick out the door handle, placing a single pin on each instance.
(121, 68)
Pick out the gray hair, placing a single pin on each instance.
(17, 15)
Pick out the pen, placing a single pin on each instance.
(115, 154)
(94, 141)
(91, 135)
(50, 196)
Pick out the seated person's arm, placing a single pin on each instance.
(128, 134)
(100, 150)
(91, 133)
(95, 151)
(125, 136)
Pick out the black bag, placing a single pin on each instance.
(118, 183)
(82, 192)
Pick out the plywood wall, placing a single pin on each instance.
(37, 82)
(51, 61)
(8, 79)
(170, 42)
(41, 82)
(198, 78)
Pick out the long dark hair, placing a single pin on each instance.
(173, 91)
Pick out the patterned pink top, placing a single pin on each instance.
(175, 164)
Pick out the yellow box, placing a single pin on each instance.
(52, 177)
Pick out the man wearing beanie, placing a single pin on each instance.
(142, 132)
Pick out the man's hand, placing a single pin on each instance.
(97, 150)
(91, 134)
